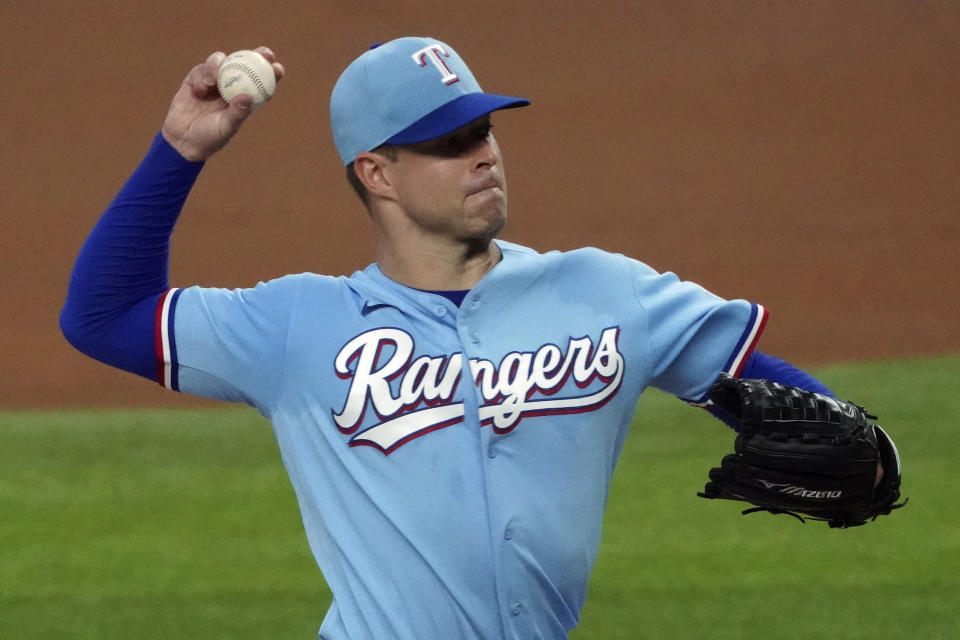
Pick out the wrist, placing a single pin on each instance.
(187, 151)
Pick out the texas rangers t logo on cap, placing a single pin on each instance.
(434, 51)
(381, 98)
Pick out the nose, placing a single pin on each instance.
(487, 153)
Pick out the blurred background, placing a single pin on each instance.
(802, 155)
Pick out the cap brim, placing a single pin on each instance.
(454, 115)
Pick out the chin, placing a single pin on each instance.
(495, 221)
(485, 227)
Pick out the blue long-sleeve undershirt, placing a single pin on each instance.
(767, 367)
(122, 269)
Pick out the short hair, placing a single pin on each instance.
(390, 151)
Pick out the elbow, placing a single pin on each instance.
(72, 329)
(87, 332)
(121, 340)
(68, 324)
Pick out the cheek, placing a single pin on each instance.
(434, 187)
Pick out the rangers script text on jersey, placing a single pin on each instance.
(522, 384)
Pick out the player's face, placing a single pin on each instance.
(454, 185)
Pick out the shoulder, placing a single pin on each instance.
(585, 260)
(275, 295)
(590, 268)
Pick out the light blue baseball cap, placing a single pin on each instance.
(407, 90)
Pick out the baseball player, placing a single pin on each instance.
(451, 415)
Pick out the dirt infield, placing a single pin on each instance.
(801, 155)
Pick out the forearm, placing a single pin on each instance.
(767, 367)
(122, 268)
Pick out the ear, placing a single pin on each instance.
(371, 169)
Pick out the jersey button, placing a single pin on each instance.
(439, 311)
(516, 609)
(492, 452)
(474, 338)
(508, 534)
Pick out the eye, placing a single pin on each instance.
(482, 132)
(457, 143)
(454, 143)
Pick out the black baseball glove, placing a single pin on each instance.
(799, 452)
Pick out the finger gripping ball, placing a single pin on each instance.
(246, 72)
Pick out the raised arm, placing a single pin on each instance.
(120, 276)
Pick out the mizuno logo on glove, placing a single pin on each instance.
(794, 490)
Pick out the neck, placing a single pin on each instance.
(437, 266)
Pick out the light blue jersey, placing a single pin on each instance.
(452, 464)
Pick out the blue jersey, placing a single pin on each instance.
(451, 463)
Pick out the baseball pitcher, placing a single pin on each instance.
(451, 415)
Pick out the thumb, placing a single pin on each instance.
(727, 395)
(238, 111)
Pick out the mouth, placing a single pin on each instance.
(486, 185)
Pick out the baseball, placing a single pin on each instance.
(246, 72)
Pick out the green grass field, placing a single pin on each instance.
(182, 524)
